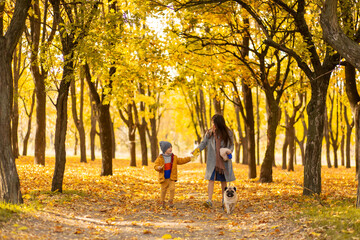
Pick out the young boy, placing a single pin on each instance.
(166, 165)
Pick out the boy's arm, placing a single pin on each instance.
(158, 166)
(184, 160)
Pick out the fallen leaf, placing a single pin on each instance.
(166, 236)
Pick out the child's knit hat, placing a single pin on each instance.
(164, 145)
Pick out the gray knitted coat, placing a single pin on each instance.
(209, 142)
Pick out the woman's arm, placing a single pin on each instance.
(204, 142)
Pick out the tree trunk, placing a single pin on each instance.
(258, 126)
(141, 126)
(39, 81)
(153, 140)
(316, 111)
(250, 130)
(76, 143)
(357, 151)
(129, 121)
(40, 134)
(284, 151)
(105, 139)
(9, 178)
(291, 147)
(286, 142)
(93, 127)
(104, 120)
(61, 122)
(349, 128)
(113, 139)
(342, 149)
(327, 139)
(273, 121)
(79, 123)
(334, 35)
(217, 106)
(239, 129)
(15, 109)
(27, 135)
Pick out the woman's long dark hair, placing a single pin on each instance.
(221, 128)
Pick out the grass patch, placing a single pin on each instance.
(38, 198)
(8, 210)
(336, 220)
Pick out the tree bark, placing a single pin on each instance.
(141, 126)
(105, 139)
(103, 111)
(250, 129)
(349, 127)
(27, 135)
(9, 178)
(78, 121)
(93, 127)
(273, 121)
(301, 142)
(153, 139)
(39, 80)
(334, 35)
(61, 120)
(238, 143)
(327, 139)
(286, 142)
(113, 150)
(129, 121)
(39, 73)
(15, 109)
(291, 148)
(69, 41)
(316, 117)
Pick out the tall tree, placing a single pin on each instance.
(78, 120)
(334, 133)
(104, 120)
(40, 40)
(15, 111)
(347, 45)
(9, 179)
(349, 127)
(28, 131)
(70, 37)
(130, 123)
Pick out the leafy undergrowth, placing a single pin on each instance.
(125, 205)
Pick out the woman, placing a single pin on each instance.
(219, 136)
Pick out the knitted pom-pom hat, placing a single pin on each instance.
(164, 145)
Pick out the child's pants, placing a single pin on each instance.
(167, 185)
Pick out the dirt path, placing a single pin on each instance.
(185, 221)
(124, 206)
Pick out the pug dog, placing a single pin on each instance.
(230, 198)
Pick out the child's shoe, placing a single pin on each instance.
(162, 205)
(171, 204)
(208, 204)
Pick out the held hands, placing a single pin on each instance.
(195, 154)
(160, 168)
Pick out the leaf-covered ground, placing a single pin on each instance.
(125, 205)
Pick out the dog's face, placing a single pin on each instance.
(230, 192)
